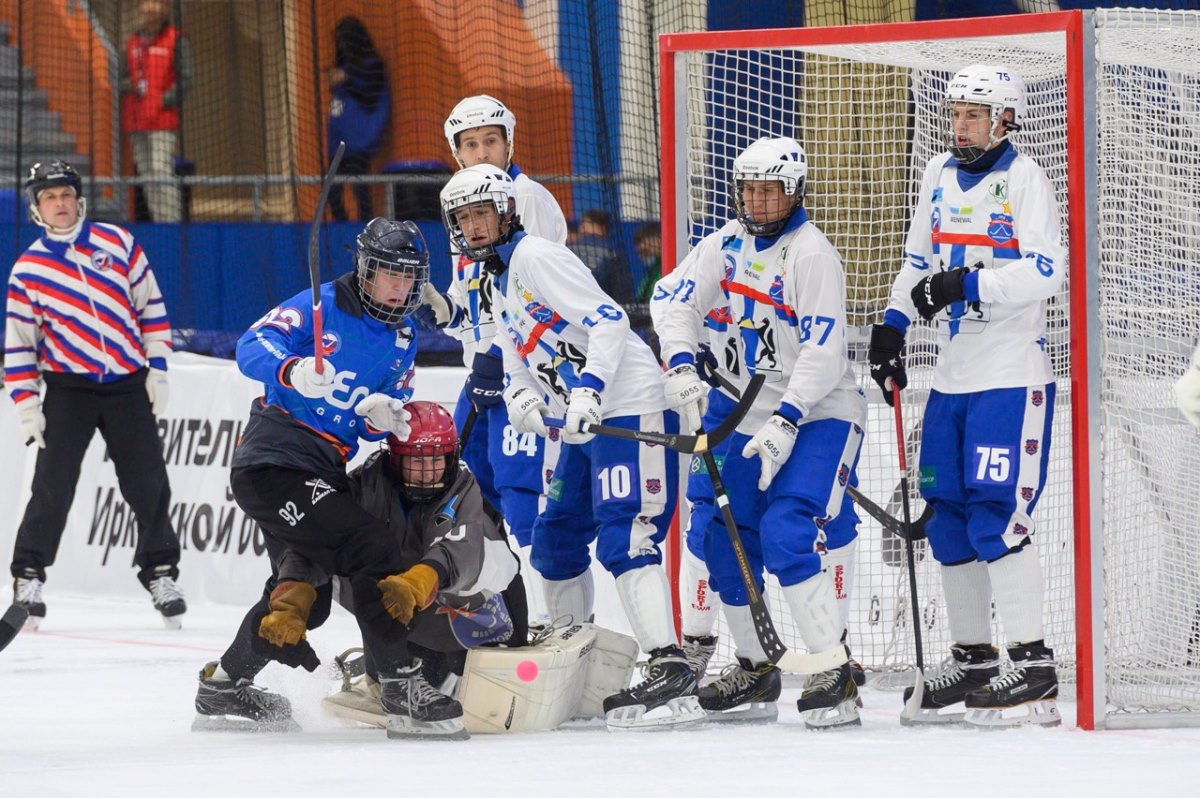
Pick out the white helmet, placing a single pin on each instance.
(998, 88)
(474, 185)
(479, 111)
(779, 159)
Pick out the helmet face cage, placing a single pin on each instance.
(433, 436)
(781, 160)
(480, 111)
(994, 88)
(396, 248)
(476, 185)
(44, 176)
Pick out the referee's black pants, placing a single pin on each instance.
(75, 407)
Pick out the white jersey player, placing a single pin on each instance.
(787, 467)
(983, 255)
(568, 350)
(513, 469)
(1187, 390)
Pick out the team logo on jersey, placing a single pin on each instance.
(654, 486)
(1037, 397)
(330, 343)
(998, 191)
(281, 318)
(776, 290)
(732, 243)
(935, 224)
(1000, 228)
(552, 434)
(1020, 529)
(1027, 494)
(320, 489)
(843, 475)
(101, 260)
(937, 195)
(547, 475)
(1031, 446)
(540, 313)
(730, 268)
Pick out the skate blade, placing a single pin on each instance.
(32, 623)
(402, 727)
(841, 716)
(930, 716)
(173, 622)
(228, 723)
(1034, 713)
(680, 711)
(355, 709)
(754, 712)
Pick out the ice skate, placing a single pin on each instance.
(830, 700)
(744, 692)
(237, 705)
(27, 594)
(669, 685)
(167, 597)
(968, 669)
(415, 710)
(1024, 696)
(699, 650)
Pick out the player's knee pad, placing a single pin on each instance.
(539, 687)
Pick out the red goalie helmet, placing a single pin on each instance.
(426, 465)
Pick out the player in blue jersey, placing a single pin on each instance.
(568, 350)
(787, 466)
(513, 468)
(983, 256)
(289, 475)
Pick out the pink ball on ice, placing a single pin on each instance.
(527, 670)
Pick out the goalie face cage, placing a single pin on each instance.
(1114, 103)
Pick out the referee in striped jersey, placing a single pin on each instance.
(86, 321)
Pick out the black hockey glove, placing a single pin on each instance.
(485, 383)
(707, 365)
(937, 291)
(300, 655)
(886, 360)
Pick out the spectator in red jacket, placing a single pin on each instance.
(156, 71)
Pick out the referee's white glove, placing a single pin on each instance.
(33, 421)
(156, 389)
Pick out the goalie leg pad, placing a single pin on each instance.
(610, 669)
(358, 702)
(534, 688)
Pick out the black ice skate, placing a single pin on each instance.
(1024, 696)
(237, 705)
(27, 594)
(830, 699)
(699, 650)
(969, 668)
(415, 710)
(669, 683)
(167, 597)
(856, 669)
(745, 692)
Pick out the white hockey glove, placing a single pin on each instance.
(156, 389)
(33, 421)
(439, 307)
(1187, 395)
(386, 414)
(583, 408)
(525, 410)
(687, 395)
(304, 379)
(773, 445)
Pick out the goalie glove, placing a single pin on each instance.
(303, 378)
(887, 363)
(1187, 395)
(583, 408)
(526, 410)
(156, 390)
(385, 414)
(686, 395)
(290, 603)
(404, 594)
(33, 422)
(773, 445)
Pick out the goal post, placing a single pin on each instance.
(1114, 105)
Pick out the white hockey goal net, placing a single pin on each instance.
(1114, 110)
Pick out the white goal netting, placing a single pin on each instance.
(868, 117)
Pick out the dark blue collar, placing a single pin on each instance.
(799, 217)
